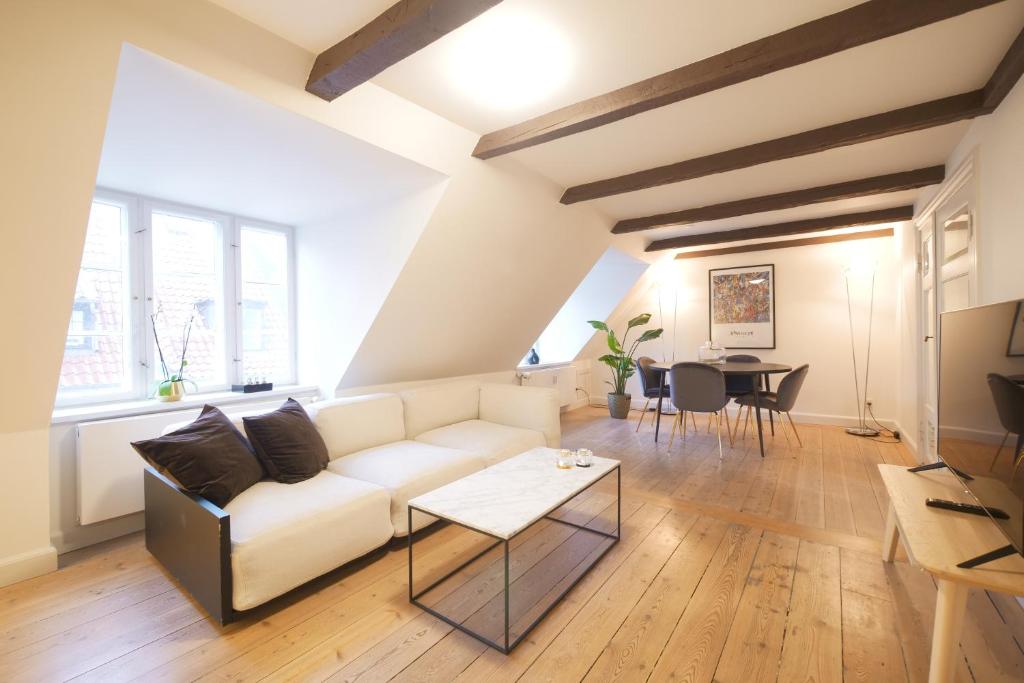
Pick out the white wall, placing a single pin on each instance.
(595, 298)
(346, 268)
(811, 322)
(997, 141)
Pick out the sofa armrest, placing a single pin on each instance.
(535, 408)
(191, 537)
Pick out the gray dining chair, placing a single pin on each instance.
(697, 388)
(740, 385)
(780, 401)
(650, 384)
(1009, 399)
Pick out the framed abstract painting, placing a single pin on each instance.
(742, 307)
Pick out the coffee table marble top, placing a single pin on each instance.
(504, 499)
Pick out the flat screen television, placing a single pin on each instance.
(981, 412)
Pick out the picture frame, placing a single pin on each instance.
(1015, 347)
(741, 306)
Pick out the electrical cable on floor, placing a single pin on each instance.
(888, 435)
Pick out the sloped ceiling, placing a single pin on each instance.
(615, 43)
(177, 135)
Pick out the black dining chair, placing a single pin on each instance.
(697, 388)
(650, 384)
(1009, 399)
(780, 401)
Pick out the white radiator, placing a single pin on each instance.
(109, 469)
(562, 378)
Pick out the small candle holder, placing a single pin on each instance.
(564, 460)
(584, 457)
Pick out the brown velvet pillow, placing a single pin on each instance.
(287, 443)
(208, 457)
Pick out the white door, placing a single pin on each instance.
(948, 281)
(927, 354)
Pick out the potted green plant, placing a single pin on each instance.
(620, 360)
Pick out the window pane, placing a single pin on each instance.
(266, 328)
(95, 362)
(188, 284)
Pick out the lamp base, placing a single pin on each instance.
(862, 431)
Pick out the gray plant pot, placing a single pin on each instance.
(618, 405)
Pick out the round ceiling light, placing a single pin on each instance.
(509, 60)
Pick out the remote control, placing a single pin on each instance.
(966, 507)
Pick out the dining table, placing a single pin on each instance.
(754, 370)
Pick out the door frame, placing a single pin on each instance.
(964, 176)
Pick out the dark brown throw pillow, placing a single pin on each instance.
(287, 443)
(208, 457)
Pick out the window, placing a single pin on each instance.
(266, 305)
(97, 353)
(232, 278)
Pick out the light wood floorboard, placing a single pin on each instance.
(735, 569)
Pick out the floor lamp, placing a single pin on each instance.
(862, 428)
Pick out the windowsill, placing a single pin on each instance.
(545, 366)
(106, 411)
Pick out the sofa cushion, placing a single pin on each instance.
(283, 535)
(534, 408)
(438, 405)
(492, 442)
(287, 443)
(208, 457)
(407, 469)
(359, 422)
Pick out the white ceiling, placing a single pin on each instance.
(177, 135)
(615, 43)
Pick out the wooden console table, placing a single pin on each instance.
(936, 540)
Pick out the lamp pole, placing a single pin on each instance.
(862, 428)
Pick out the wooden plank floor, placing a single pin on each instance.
(740, 569)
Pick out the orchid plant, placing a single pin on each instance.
(164, 386)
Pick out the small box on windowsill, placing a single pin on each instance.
(252, 388)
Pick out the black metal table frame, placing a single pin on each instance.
(507, 647)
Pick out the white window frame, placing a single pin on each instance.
(138, 212)
(236, 243)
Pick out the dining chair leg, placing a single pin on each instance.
(675, 423)
(782, 426)
(728, 428)
(643, 414)
(746, 422)
(718, 419)
(693, 420)
(792, 426)
(682, 416)
(709, 423)
(998, 451)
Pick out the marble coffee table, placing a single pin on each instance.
(502, 502)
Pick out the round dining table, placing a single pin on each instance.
(755, 370)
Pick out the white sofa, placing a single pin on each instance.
(385, 449)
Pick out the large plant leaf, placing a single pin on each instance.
(641, 319)
(648, 335)
(598, 325)
(613, 343)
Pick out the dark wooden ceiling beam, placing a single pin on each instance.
(896, 122)
(788, 244)
(891, 182)
(1006, 74)
(402, 29)
(848, 220)
(858, 25)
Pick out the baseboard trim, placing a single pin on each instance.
(28, 565)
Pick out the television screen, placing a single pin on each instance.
(981, 406)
